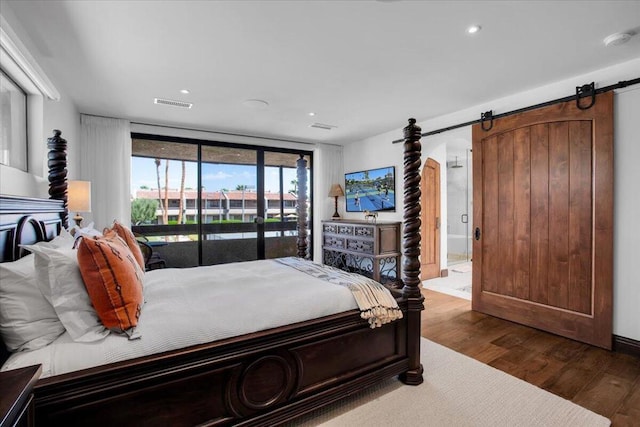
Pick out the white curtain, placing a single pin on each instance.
(105, 160)
(328, 169)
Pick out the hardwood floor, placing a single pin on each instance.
(604, 382)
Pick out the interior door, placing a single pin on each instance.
(430, 213)
(543, 219)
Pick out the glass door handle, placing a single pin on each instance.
(464, 218)
(258, 220)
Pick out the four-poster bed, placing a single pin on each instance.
(260, 378)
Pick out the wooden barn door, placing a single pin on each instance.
(430, 228)
(543, 219)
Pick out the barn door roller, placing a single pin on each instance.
(585, 91)
(488, 115)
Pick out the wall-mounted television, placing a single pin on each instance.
(371, 190)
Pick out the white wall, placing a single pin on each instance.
(379, 151)
(626, 207)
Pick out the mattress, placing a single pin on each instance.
(190, 306)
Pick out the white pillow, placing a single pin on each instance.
(60, 282)
(27, 319)
(88, 231)
(62, 240)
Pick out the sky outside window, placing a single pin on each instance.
(216, 177)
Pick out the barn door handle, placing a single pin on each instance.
(477, 233)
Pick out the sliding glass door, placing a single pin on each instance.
(230, 214)
(212, 203)
(281, 203)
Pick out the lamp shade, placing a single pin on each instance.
(79, 196)
(336, 191)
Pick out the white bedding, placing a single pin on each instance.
(192, 306)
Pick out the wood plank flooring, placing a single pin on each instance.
(604, 382)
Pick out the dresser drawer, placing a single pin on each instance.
(330, 228)
(362, 246)
(363, 231)
(334, 242)
(345, 230)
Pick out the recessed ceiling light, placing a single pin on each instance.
(617, 39)
(256, 104)
(185, 91)
(312, 114)
(473, 29)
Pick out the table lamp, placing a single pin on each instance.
(79, 199)
(336, 191)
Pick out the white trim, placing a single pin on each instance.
(17, 52)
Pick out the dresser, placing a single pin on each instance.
(367, 248)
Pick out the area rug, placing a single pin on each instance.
(457, 391)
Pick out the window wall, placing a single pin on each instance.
(201, 203)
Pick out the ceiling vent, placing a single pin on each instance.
(173, 103)
(322, 126)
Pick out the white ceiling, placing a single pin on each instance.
(362, 66)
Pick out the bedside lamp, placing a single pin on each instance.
(79, 198)
(336, 191)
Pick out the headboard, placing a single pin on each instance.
(26, 221)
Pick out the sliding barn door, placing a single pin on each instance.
(543, 219)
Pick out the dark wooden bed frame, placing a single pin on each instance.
(263, 378)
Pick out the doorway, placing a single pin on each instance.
(453, 151)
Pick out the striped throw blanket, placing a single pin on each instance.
(376, 303)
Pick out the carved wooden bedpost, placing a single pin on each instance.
(301, 210)
(411, 250)
(57, 163)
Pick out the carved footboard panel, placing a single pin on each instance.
(262, 379)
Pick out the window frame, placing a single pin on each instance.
(19, 65)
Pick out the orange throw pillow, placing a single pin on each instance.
(113, 280)
(126, 234)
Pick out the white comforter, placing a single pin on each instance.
(191, 306)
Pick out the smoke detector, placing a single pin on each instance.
(256, 104)
(172, 103)
(617, 39)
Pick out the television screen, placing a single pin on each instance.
(371, 190)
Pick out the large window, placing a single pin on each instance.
(202, 203)
(13, 124)
(23, 89)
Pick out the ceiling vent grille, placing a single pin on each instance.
(173, 103)
(322, 126)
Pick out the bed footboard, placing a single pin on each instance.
(263, 379)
